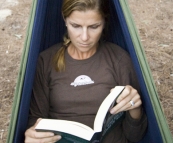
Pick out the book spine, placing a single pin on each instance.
(66, 139)
(111, 122)
(96, 138)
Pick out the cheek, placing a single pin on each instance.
(96, 34)
(72, 34)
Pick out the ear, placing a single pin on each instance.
(64, 19)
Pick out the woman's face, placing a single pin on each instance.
(84, 29)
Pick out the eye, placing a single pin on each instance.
(75, 25)
(94, 26)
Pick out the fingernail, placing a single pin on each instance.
(58, 137)
(111, 111)
(52, 134)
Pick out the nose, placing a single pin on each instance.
(84, 35)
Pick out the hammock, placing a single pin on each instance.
(46, 28)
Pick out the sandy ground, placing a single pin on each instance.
(154, 21)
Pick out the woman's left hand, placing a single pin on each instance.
(129, 100)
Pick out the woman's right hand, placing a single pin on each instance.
(32, 136)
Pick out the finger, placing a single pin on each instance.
(40, 135)
(132, 104)
(111, 89)
(44, 140)
(32, 133)
(125, 98)
(131, 97)
(122, 106)
(124, 94)
(135, 101)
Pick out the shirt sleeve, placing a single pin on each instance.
(133, 129)
(39, 105)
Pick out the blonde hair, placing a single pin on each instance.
(68, 7)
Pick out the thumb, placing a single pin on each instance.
(111, 89)
(36, 123)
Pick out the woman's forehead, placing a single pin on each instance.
(89, 16)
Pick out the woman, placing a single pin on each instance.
(74, 77)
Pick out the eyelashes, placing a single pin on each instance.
(92, 26)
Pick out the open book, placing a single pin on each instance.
(74, 132)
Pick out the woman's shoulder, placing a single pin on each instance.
(114, 50)
(45, 59)
(49, 52)
(112, 46)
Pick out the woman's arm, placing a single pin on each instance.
(135, 122)
(39, 107)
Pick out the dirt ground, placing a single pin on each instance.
(154, 21)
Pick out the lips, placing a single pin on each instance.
(81, 44)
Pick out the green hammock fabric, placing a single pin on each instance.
(166, 134)
(20, 79)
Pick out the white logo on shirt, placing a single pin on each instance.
(82, 80)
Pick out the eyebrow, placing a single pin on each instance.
(95, 24)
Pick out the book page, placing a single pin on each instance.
(69, 127)
(105, 106)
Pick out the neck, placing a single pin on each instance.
(80, 55)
